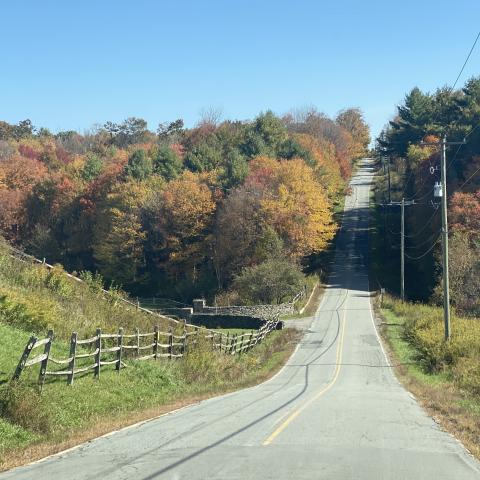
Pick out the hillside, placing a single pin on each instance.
(33, 299)
(180, 212)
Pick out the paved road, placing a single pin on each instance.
(334, 412)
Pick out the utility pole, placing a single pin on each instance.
(402, 206)
(402, 260)
(446, 286)
(389, 182)
(446, 282)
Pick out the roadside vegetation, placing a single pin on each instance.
(445, 378)
(32, 425)
(426, 117)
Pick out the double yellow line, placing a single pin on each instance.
(324, 390)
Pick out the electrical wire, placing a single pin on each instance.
(460, 73)
(460, 146)
(422, 197)
(466, 61)
(423, 228)
(425, 253)
(469, 178)
(425, 242)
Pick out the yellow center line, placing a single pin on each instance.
(325, 389)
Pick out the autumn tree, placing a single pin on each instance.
(179, 222)
(352, 120)
(239, 224)
(119, 234)
(294, 203)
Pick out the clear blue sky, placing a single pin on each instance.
(69, 65)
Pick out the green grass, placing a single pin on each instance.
(450, 390)
(14, 436)
(233, 331)
(405, 353)
(33, 300)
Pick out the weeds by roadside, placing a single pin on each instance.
(434, 372)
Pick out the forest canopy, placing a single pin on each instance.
(424, 118)
(178, 212)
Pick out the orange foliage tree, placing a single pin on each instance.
(295, 204)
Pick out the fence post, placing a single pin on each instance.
(137, 333)
(184, 347)
(227, 342)
(250, 344)
(43, 365)
(118, 365)
(170, 342)
(23, 359)
(241, 344)
(213, 340)
(98, 355)
(155, 342)
(73, 353)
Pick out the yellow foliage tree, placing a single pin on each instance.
(327, 169)
(295, 203)
(118, 234)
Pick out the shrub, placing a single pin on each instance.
(21, 405)
(273, 281)
(424, 329)
(33, 313)
(58, 282)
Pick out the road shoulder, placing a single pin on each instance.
(455, 411)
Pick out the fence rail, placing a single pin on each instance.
(111, 349)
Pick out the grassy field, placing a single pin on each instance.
(33, 425)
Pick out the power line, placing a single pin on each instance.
(425, 253)
(421, 244)
(459, 74)
(422, 197)
(423, 228)
(469, 178)
(461, 145)
(466, 60)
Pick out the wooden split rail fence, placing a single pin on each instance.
(94, 353)
(233, 344)
(106, 349)
(103, 349)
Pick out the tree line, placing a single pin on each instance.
(424, 118)
(181, 212)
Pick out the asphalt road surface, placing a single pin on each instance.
(335, 411)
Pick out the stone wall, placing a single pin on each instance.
(265, 312)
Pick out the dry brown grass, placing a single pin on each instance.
(445, 402)
(108, 424)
